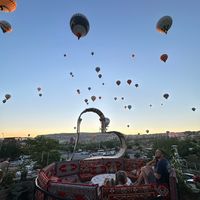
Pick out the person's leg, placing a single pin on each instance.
(144, 175)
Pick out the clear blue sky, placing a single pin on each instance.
(32, 56)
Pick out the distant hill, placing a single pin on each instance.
(96, 137)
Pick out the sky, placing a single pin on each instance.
(32, 56)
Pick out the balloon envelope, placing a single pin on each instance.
(39, 88)
(129, 107)
(193, 109)
(164, 57)
(164, 24)
(8, 5)
(7, 96)
(97, 69)
(166, 96)
(100, 75)
(5, 26)
(79, 25)
(129, 81)
(118, 82)
(93, 98)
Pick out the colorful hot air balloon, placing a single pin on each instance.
(8, 5)
(100, 75)
(166, 96)
(164, 57)
(99, 97)
(132, 55)
(40, 94)
(129, 81)
(5, 26)
(97, 69)
(79, 25)
(193, 109)
(118, 82)
(93, 98)
(125, 107)
(115, 98)
(92, 53)
(65, 55)
(4, 101)
(122, 98)
(89, 88)
(103, 83)
(164, 24)
(147, 131)
(128, 125)
(7, 96)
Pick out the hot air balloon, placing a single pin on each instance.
(150, 105)
(129, 107)
(136, 85)
(164, 57)
(8, 5)
(79, 25)
(92, 53)
(100, 75)
(93, 98)
(147, 131)
(89, 88)
(125, 107)
(4, 101)
(193, 109)
(164, 24)
(115, 98)
(38, 89)
(122, 98)
(128, 125)
(65, 55)
(78, 91)
(5, 26)
(118, 82)
(7, 96)
(129, 81)
(161, 104)
(72, 75)
(86, 100)
(97, 69)
(103, 83)
(74, 127)
(166, 96)
(132, 55)
(40, 94)
(99, 97)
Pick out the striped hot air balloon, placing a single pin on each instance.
(8, 5)
(5, 26)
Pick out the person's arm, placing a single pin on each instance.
(152, 162)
